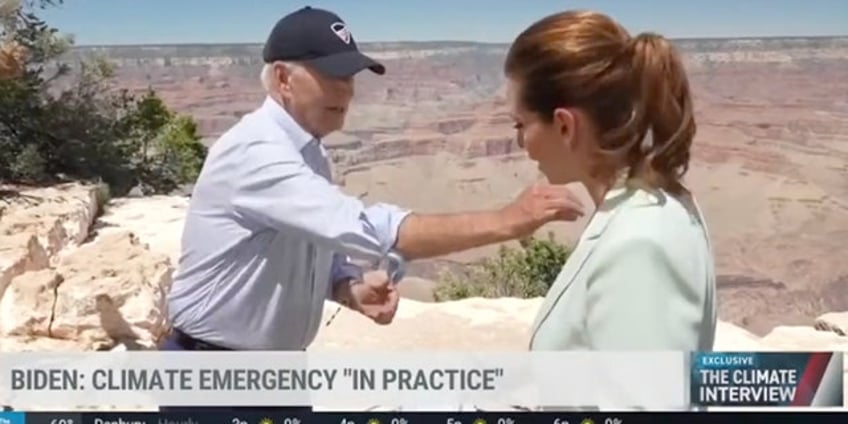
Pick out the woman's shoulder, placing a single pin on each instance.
(656, 217)
(657, 234)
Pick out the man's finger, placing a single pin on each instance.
(386, 317)
(378, 280)
(556, 190)
(574, 198)
(566, 205)
(562, 192)
(395, 305)
(386, 311)
(393, 298)
(383, 289)
(565, 215)
(383, 317)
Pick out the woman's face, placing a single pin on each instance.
(550, 144)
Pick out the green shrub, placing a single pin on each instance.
(58, 126)
(526, 272)
(170, 152)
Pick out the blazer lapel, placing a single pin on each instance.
(583, 250)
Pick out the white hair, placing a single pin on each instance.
(267, 76)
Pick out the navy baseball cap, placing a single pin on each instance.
(318, 38)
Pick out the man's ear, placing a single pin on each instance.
(282, 76)
(565, 124)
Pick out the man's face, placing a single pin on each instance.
(319, 103)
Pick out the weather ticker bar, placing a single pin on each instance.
(273, 417)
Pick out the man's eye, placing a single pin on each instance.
(518, 126)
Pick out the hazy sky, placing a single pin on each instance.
(217, 21)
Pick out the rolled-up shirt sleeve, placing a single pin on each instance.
(273, 186)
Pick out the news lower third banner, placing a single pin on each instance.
(34, 381)
(796, 379)
(343, 380)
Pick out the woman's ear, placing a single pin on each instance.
(564, 123)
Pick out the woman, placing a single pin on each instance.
(596, 106)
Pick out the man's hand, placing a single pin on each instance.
(375, 297)
(539, 204)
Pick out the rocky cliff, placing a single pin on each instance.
(63, 287)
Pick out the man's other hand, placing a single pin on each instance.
(539, 204)
(375, 297)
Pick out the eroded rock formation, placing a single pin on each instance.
(62, 288)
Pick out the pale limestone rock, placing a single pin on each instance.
(60, 294)
(462, 325)
(20, 253)
(156, 220)
(35, 225)
(798, 338)
(113, 289)
(59, 216)
(729, 337)
(836, 322)
(27, 305)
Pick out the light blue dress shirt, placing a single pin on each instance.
(266, 235)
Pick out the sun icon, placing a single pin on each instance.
(266, 421)
(479, 421)
(373, 421)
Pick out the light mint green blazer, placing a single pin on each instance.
(641, 277)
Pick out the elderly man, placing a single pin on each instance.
(268, 236)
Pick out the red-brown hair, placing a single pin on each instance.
(629, 86)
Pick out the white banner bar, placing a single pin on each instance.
(559, 380)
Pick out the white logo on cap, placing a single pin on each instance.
(340, 29)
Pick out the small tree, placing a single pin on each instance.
(526, 272)
(175, 155)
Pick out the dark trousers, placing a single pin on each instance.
(179, 341)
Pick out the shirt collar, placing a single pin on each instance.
(281, 117)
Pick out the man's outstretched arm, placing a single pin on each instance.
(425, 236)
(275, 187)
